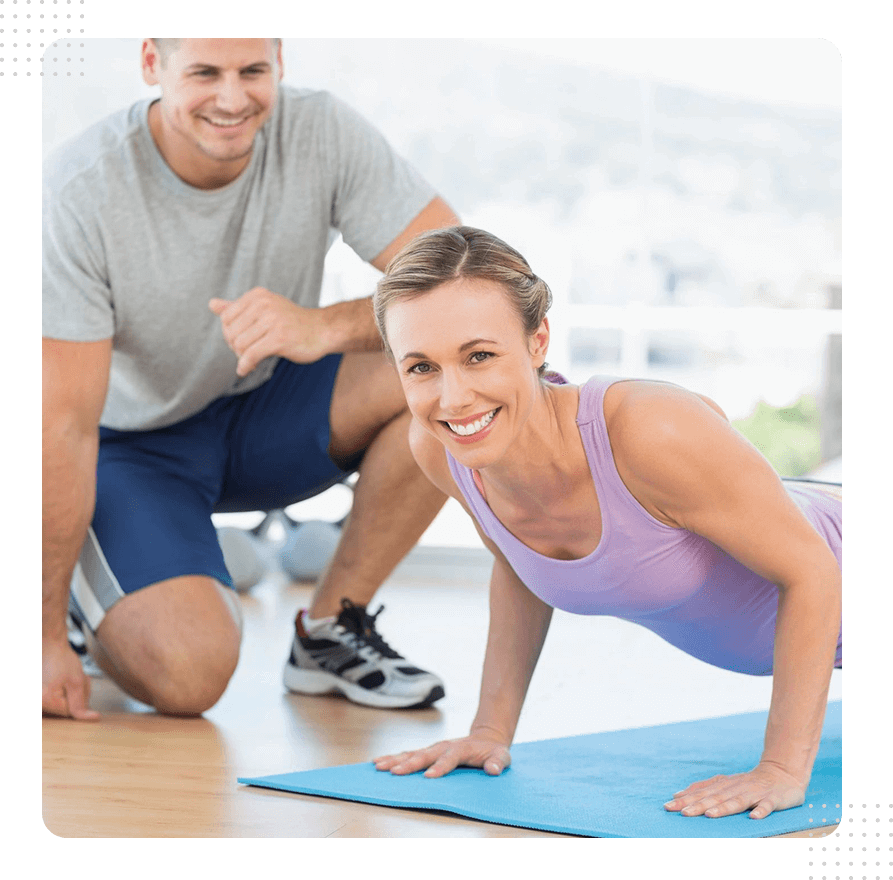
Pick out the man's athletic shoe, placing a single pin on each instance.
(78, 642)
(350, 656)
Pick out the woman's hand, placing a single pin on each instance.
(763, 790)
(475, 750)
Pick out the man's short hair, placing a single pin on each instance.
(168, 45)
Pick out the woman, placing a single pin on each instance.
(630, 498)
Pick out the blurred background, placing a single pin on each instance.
(681, 197)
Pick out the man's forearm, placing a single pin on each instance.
(69, 493)
(350, 326)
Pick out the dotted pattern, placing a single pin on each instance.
(33, 38)
(858, 849)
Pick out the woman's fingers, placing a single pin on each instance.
(409, 762)
(761, 791)
(444, 757)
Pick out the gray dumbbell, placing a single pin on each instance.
(308, 548)
(243, 557)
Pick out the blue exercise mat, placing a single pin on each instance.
(599, 785)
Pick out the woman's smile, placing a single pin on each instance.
(465, 363)
(472, 429)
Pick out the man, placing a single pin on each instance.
(189, 369)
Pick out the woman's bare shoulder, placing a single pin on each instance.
(644, 399)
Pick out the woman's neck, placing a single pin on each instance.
(543, 461)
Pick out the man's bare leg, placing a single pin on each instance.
(173, 645)
(394, 502)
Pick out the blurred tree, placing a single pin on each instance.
(788, 436)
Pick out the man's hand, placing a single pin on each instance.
(66, 687)
(260, 324)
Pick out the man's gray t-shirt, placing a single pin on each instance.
(132, 252)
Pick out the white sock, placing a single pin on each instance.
(312, 624)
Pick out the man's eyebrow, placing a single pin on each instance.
(199, 65)
(472, 343)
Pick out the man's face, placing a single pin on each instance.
(215, 96)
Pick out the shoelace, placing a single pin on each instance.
(362, 627)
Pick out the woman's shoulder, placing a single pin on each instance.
(650, 401)
(654, 425)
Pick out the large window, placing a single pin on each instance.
(688, 221)
(689, 225)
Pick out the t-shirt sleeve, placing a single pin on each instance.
(377, 192)
(77, 303)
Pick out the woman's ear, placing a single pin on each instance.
(538, 343)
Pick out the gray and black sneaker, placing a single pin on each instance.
(351, 657)
(78, 641)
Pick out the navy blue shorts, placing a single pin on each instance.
(156, 490)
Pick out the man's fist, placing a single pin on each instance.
(261, 324)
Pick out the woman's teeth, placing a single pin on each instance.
(473, 427)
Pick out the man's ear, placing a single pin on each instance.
(150, 61)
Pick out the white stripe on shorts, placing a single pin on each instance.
(93, 584)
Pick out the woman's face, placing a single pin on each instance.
(468, 369)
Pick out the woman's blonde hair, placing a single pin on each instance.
(444, 255)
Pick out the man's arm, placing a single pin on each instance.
(261, 324)
(357, 324)
(437, 214)
(75, 380)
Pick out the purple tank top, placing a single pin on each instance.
(672, 581)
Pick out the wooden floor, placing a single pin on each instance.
(138, 774)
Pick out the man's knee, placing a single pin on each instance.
(194, 689)
(367, 396)
(174, 646)
(368, 379)
(188, 679)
